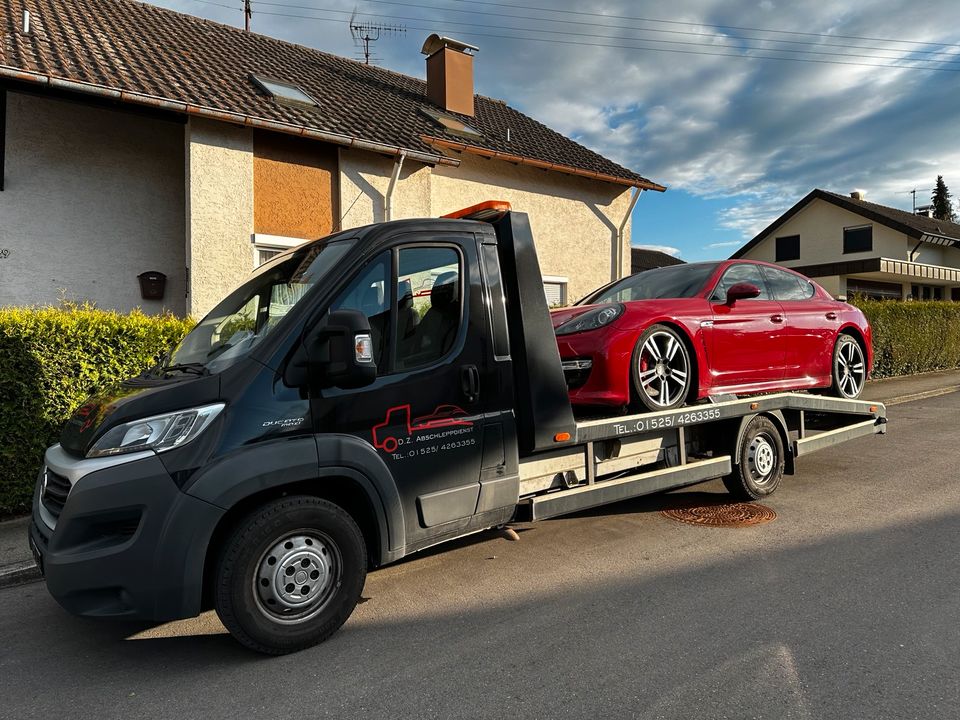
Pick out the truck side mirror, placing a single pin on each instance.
(742, 291)
(337, 352)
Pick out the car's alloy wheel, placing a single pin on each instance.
(849, 368)
(662, 371)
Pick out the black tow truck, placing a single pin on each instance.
(358, 399)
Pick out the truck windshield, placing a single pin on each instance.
(676, 281)
(246, 316)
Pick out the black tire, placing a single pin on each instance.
(759, 470)
(848, 369)
(323, 546)
(662, 371)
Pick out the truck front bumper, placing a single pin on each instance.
(126, 542)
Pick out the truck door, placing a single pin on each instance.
(424, 413)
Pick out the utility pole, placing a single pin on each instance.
(914, 193)
(247, 14)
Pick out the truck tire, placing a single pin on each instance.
(759, 469)
(289, 574)
(849, 369)
(661, 369)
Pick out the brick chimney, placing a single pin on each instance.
(450, 73)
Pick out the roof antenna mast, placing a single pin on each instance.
(365, 33)
(247, 14)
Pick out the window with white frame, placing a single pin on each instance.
(555, 288)
(267, 247)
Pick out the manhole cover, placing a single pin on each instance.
(735, 515)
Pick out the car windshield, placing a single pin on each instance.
(676, 281)
(241, 321)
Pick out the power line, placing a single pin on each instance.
(702, 24)
(648, 40)
(817, 43)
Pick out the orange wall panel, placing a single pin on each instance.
(294, 186)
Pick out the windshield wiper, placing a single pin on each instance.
(194, 368)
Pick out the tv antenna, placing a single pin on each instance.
(365, 33)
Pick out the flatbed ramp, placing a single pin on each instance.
(621, 457)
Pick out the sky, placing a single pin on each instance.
(686, 93)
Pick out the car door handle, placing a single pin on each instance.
(470, 382)
(776, 318)
(831, 316)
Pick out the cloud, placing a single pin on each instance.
(730, 243)
(675, 252)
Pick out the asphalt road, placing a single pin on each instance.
(846, 606)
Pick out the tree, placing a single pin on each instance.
(942, 207)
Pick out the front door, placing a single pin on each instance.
(423, 413)
(746, 342)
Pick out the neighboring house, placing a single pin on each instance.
(134, 138)
(851, 246)
(645, 259)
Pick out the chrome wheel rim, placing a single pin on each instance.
(851, 370)
(761, 459)
(663, 369)
(297, 576)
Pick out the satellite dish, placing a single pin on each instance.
(436, 42)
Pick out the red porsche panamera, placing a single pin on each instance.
(672, 335)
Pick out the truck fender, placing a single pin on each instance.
(311, 459)
(777, 417)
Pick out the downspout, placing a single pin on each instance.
(388, 198)
(618, 270)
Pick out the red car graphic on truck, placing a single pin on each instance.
(443, 416)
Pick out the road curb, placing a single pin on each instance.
(920, 395)
(19, 574)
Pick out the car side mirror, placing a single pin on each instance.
(336, 352)
(742, 291)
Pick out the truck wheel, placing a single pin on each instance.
(290, 574)
(661, 370)
(849, 369)
(761, 461)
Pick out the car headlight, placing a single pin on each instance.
(158, 433)
(591, 320)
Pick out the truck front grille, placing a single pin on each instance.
(55, 491)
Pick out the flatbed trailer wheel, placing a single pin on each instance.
(290, 574)
(761, 462)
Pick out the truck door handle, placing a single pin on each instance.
(470, 382)
(776, 318)
(831, 315)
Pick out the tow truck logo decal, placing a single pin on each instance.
(444, 416)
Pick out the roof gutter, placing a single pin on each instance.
(542, 164)
(135, 98)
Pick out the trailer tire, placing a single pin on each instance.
(759, 469)
(290, 574)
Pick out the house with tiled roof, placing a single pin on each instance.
(855, 247)
(642, 258)
(135, 139)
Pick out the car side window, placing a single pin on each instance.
(429, 305)
(740, 273)
(787, 286)
(370, 294)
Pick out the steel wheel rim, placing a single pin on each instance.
(663, 369)
(761, 458)
(297, 576)
(851, 369)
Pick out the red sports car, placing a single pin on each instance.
(671, 335)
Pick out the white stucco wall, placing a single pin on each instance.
(219, 210)
(574, 220)
(820, 227)
(92, 198)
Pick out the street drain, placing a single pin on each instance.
(735, 515)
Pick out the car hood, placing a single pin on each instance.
(636, 309)
(132, 400)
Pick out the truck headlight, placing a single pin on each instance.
(591, 320)
(158, 433)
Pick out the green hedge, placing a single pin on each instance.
(912, 337)
(51, 359)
